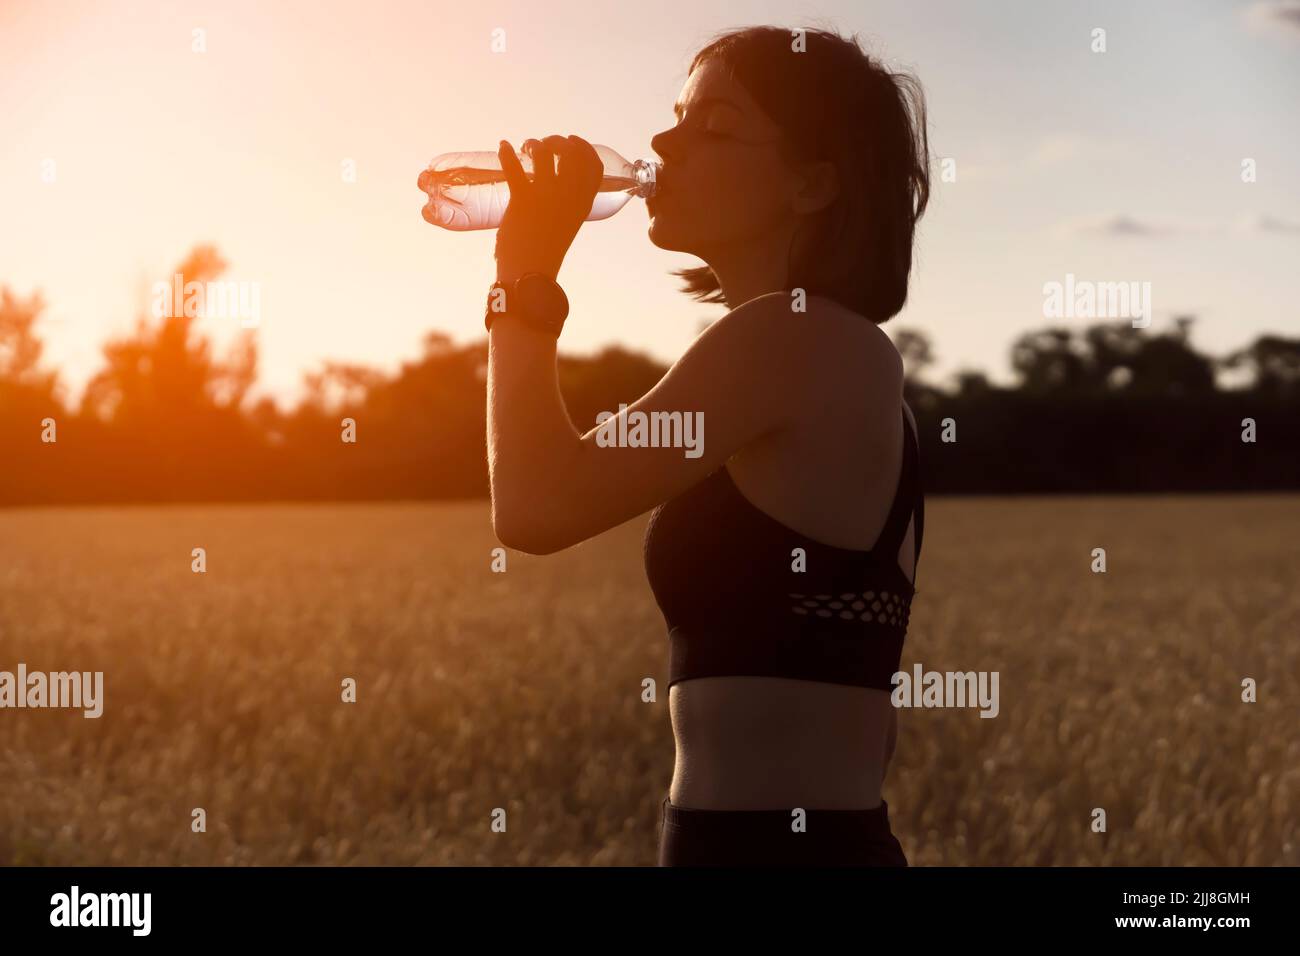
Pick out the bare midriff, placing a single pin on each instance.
(759, 743)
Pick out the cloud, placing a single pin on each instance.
(1123, 226)
(1270, 225)
(1116, 225)
(1274, 17)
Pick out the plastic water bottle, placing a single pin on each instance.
(469, 190)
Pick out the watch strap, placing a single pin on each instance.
(504, 300)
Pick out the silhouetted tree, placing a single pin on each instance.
(340, 386)
(20, 349)
(917, 355)
(971, 383)
(1274, 363)
(28, 397)
(1050, 360)
(164, 373)
(1122, 357)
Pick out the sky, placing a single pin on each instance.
(126, 138)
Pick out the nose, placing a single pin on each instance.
(662, 143)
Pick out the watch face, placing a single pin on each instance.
(542, 297)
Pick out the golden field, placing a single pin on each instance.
(522, 690)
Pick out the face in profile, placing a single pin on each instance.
(724, 182)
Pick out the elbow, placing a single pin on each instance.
(523, 532)
(525, 542)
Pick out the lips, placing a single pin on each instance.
(660, 183)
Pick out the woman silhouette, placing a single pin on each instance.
(783, 556)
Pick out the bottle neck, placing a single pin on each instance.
(646, 174)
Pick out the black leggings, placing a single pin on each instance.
(689, 837)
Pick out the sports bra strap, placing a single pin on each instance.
(920, 518)
(891, 538)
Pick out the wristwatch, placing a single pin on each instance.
(534, 297)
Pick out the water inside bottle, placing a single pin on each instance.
(432, 180)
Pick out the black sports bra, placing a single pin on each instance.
(726, 579)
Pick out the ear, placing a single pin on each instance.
(817, 186)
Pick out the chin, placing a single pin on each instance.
(662, 237)
(655, 233)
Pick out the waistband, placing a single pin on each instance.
(872, 823)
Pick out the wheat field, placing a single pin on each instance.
(522, 690)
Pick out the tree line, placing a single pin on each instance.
(1099, 408)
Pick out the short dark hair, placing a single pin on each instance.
(834, 102)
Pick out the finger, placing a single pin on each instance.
(514, 171)
(559, 145)
(439, 216)
(543, 162)
(567, 170)
(562, 149)
(584, 155)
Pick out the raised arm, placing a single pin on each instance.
(554, 486)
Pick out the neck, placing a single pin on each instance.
(755, 269)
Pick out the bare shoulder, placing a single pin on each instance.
(852, 328)
(814, 330)
(794, 366)
(844, 348)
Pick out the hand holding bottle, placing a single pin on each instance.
(543, 215)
